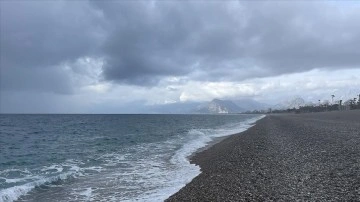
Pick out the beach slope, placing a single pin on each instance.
(283, 157)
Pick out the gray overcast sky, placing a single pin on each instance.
(119, 56)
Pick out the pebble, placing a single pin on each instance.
(284, 157)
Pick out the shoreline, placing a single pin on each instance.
(313, 156)
(217, 140)
(208, 146)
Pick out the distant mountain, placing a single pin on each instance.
(290, 104)
(250, 105)
(173, 108)
(217, 106)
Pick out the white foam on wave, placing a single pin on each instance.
(87, 193)
(16, 175)
(16, 180)
(13, 193)
(185, 171)
(6, 171)
(112, 159)
(157, 171)
(52, 168)
(97, 169)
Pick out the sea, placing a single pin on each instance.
(105, 157)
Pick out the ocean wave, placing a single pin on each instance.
(185, 171)
(148, 171)
(13, 193)
(31, 180)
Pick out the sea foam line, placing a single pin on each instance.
(14, 193)
(187, 171)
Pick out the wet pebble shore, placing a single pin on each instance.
(286, 157)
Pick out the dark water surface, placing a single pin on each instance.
(104, 157)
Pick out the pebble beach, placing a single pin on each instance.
(284, 157)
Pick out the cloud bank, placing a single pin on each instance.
(69, 47)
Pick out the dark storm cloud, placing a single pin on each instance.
(305, 36)
(146, 41)
(163, 39)
(36, 37)
(143, 42)
(227, 40)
